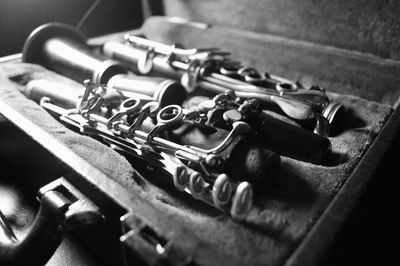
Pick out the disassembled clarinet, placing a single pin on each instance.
(143, 116)
(211, 151)
(212, 70)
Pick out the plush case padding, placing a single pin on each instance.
(281, 217)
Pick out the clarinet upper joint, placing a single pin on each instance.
(213, 70)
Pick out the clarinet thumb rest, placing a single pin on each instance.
(62, 207)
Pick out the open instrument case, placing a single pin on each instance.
(343, 47)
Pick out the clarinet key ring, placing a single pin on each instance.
(166, 117)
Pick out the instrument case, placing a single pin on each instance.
(298, 219)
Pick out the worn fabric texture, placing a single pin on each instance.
(281, 217)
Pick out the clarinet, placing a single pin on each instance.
(63, 49)
(213, 71)
(143, 116)
(139, 127)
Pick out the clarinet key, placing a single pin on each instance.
(181, 178)
(231, 116)
(242, 201)
(221, 191)
(196, 185)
